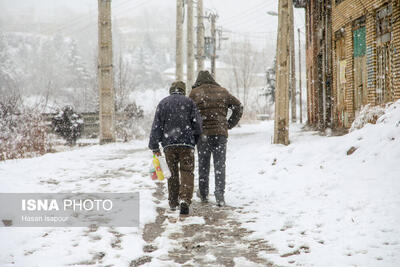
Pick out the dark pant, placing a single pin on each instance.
(214, 145)
(180, 159)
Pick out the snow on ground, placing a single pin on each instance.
(110, 168)
(312, 199)
(314, 203)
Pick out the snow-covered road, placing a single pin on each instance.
(313, 204)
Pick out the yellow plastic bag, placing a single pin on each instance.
(157, 167)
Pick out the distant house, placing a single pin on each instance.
(352, 57)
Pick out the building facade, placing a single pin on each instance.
(353, 58)
(318, 61)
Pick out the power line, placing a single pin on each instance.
(244, 13)
(117, 11)
(116, 14)
(81, 18)
(259, 21)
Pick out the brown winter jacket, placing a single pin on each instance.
(213, 102)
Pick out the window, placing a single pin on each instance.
(383, 24)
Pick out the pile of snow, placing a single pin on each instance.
(368, 114)
(316, 203)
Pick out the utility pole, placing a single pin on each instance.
(281, 129)
(300, 89)
(179, 40)
(190, 46)
(292, 63)
(105, 74)
(200, 36)
(214, 42)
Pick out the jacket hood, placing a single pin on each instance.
(177, 87)
(204, 77)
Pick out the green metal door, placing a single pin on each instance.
(360, 68)
(359, 42)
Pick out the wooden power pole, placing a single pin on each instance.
(214, 42)
(300, 89)
(281, 129)
(179, 40)
(105, 74)
(190, 46)
(292, 63)
(200, 36)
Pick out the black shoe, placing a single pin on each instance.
(184, 208)
(173, 208)
(221, 202)
(173, 205)
(204, 199)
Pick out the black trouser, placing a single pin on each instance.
(180, 159)
(214, 145)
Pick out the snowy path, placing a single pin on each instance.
(209, 236)
(307, 204)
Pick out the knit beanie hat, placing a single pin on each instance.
(178, 87)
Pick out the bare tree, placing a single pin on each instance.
(244, 67)
(125, 82)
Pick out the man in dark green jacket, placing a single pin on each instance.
(213, 102)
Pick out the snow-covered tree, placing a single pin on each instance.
(271, 81)
(128, 124)
(68, 124)
(22, 130)
(7, 66)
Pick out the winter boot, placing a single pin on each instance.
(204, 199)
(220, 201)
(173, 205)
(184, 208)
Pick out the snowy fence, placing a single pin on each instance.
(90, 120)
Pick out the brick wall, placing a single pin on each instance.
(396, 43)
(311, 52)
(343, 15)
(371, 57)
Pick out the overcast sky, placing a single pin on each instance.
(243, 17)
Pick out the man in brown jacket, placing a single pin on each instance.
(213, 102)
